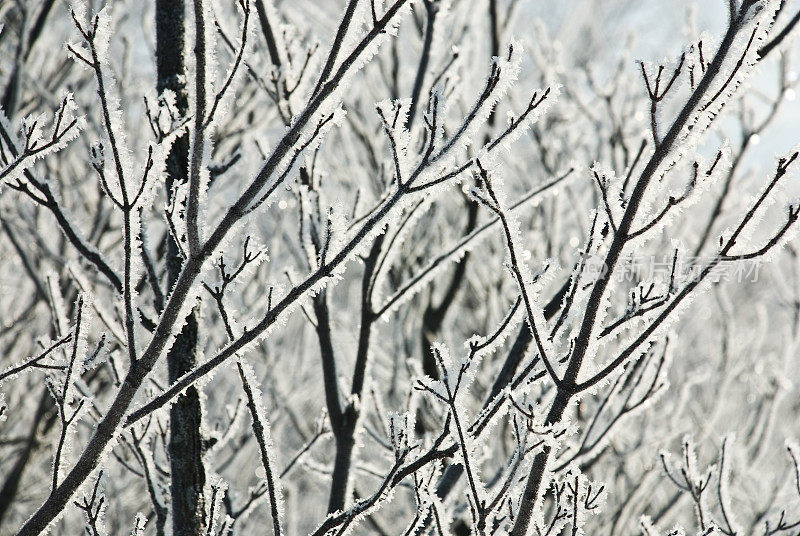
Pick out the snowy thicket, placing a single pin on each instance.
(395, 267)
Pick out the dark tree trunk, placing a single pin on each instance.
(186, 443)
(345, 441)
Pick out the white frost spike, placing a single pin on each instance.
(97, 155)
(57, 307)
(82, 354)
(216, 84)
(437, 105)
(79, 8)
(155, 177)
(114, 124)
(743, 56)
(512, 321)
(531, 287)
(545, 98)
(65, 127)
(467, 244)
(505, 71)
(337, 215)
(102, 36)
(104, 314)
(401, 430)
(394, 116)
(724, 482)
(359, 61)
(138, 524)
(581, 495)
(260, 409)
(690, 455)
(96, 357)
(32, 128)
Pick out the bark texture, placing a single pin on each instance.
(187, 471)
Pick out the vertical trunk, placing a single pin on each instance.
(345, 441)
(538, 468)
(344, 420)
(186, 443)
